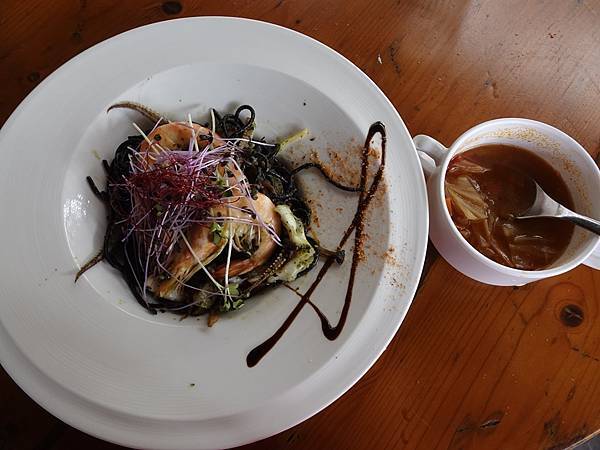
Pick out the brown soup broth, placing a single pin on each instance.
(485, 184)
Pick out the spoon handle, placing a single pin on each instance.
(585, 222)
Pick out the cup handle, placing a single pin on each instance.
(593, 260)
(431, 153)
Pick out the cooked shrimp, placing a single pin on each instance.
(265, 208)
(171, 135)
(177, 136)
(184, 264)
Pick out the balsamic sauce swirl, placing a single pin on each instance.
(366, 195)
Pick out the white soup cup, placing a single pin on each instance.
(577, 168)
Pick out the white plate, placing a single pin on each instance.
(87, 352)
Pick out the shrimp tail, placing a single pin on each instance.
(169, 288)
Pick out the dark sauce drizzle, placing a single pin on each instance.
(329, 331)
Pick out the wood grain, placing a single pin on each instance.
(472, 366)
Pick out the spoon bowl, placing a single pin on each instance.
(545, 206)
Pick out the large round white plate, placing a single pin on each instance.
(87, 352)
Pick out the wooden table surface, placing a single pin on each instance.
(472, 366)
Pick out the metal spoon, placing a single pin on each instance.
(544, 206)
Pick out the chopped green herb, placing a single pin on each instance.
(233, 289)
(221, 180)
(291, 139)
(217, 232)
(230, 304)
(238, 303)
